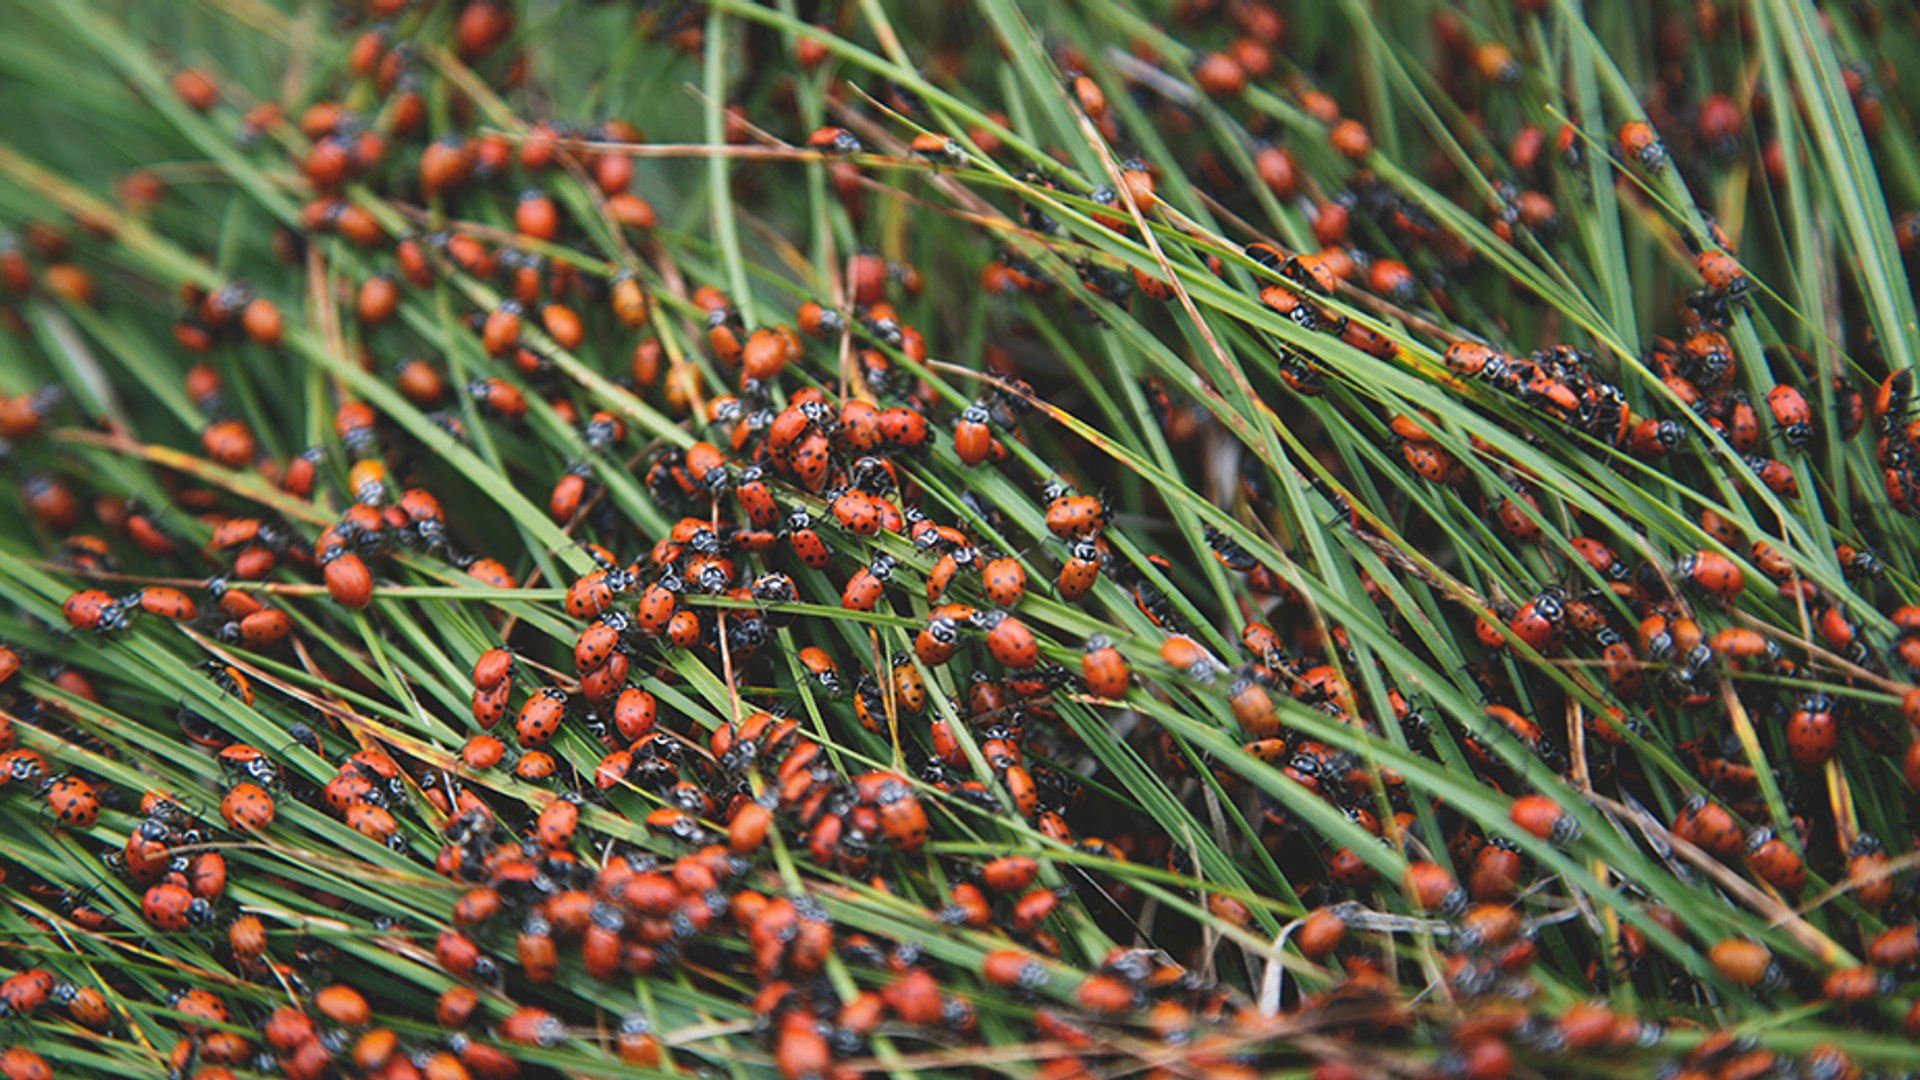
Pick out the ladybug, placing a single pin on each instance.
(540, 718)
(1744, 962)
(492, 667)
(1431, 463)
(490, 705)
(20, 1063)
(348, 580)
(937, 641)
(909, 689)
(1650, 440)
(820, 666)
(856, 511)
(1009, 873)
(1472, 359)
(85, 1006)
(1080, 572)
(1076, 517)
(569, 494)
(867, 584)
(171, 908)
(1541, 816)
(73, 802)
(1495, 873)
(1774, 862)
(498, 397)
(229, 443)
(806, 542)
(1350, 139)
(247, 808)
(1430, 887)
(1253, 709)
(91, 609)
(1812, 732)
(1723, 274)
(819, 322)
(903, 821)
(1867, 871)
(944, 568)
(1104, 669)
(656, 611)
(1777, 475)
(834, 141)
(1538, 623)
(1795, 417)
(26, 991)
(164, 602)
(756, 497)
(1858, 563)
(482, 752)
(972, 437)
(593, 593)
(240, 761)
(684, 629)
(598, 642)
(1009, 641)
(556, 824)
(1638, 142)
(1711, 572)
(904, 428)
(1005, 581)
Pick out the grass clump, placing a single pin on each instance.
(1060, 539)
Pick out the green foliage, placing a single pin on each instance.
(1086, 275)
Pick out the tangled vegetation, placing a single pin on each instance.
(1063, 539)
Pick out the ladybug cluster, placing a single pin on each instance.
(1152, 580)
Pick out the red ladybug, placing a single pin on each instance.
(247, 808)
(171, 908)
(658, 602)
(91, 609)
(972, 437)
(1104, 669)
(1638, 142)
(867, 584)
(756, 498)
(491, 668)
(1010, 642)
(556, 824)
(1722, 273)
(1430, 887)
(230, 443)
(26, 991)
(348, 580)
(490, 705)
(805, 541)
(904, 428)
(1813, 733)
(1005, 581)
(634, 713)
(857, 512)
(20, 1063)
(1080, 572)
(540, 718)
(1794, 416)
(1711, 572)
(1076, 517)
(1774, 862)
(598, 642)
(73, 802)
(1867, 867)
(1543, 817)
(164, 602)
